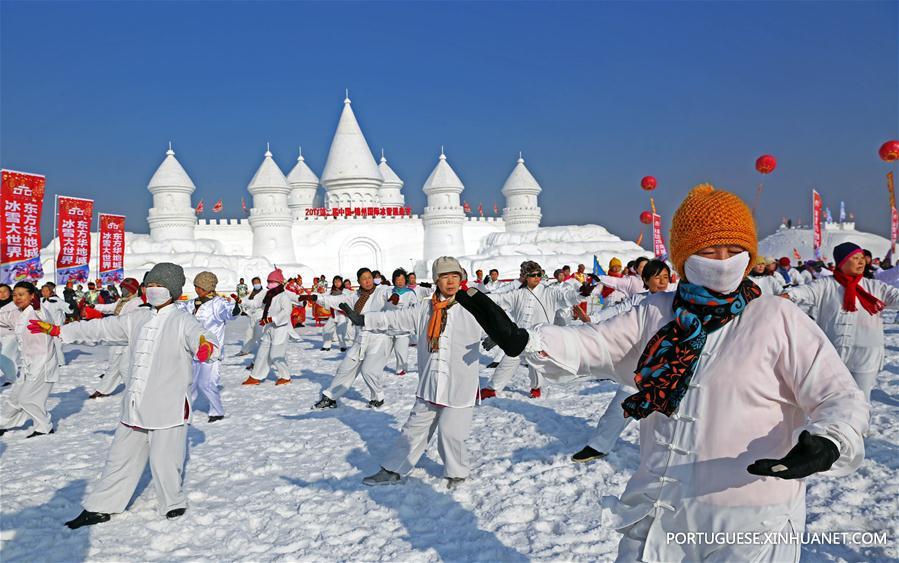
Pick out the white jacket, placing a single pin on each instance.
(501, 286)
(760, 380)
(212, 315)
(628, 285)
(376, 302)
(56, 310)
(124, 306)
(769, 285)
(530, 307)
(37, 353)
(407, 299)
(279, 311)
(162, 347)
(449, 376)
(857, 336)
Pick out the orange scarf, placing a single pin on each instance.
(438, 320)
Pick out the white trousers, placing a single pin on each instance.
(27, 400)
(506, 369)
(452, 426)
(60, 357)
(399, 346)
(251, 338)
(346, 332)
(328, 332)
(116, 369)
(612, 422)
(208, 379)
(9, 357)
(370, 363)
(270, 357)
(865, 381)
(125, 464)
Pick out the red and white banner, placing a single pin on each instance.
(22, 195)
(112, 248)
(658, 243)
(894, 227)
(73, 227)
(817, 206)
(359, 212)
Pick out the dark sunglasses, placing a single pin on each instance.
(534, 275)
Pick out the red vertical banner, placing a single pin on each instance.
(22, 195)
(112, 248)
(894, 228)
(73, 227)
(891, 188)
(658, 243)
(817, 206)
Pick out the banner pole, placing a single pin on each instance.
(55, 237)
(98, 246)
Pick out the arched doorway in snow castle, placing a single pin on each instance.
(357, 253)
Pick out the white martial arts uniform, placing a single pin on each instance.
(117, 365)
(768, 284)
(212, 315)
(38, 370)
(447, 386)
(762, 378)
(253, 308)
(56, 311)
(399, 342)
(368, 353)
(271, 354)
(156, 409)
(529, 308)
(858, 335)
(9, 351)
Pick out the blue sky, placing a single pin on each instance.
(596, 95)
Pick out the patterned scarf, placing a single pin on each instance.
(364, 294)
(669, 359)
(437, 324)
(852, 291)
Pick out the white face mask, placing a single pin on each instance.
(156, 296)
(257, 286)
(377, 281)
(723, 276)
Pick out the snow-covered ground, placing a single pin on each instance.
(277, 481)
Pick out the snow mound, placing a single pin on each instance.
(784, 240)
(551, 247)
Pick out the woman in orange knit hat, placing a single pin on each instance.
(726, 380)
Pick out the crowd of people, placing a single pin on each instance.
(738, 393)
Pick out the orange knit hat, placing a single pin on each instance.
(710, 217)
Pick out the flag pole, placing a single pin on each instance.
(55, 237)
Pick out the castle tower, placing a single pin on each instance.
(270, 216)
(391, 193)
(443, 217)
(303, 186)
(522, 212)
(172, 215)
(351, 178)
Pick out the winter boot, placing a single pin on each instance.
(325, 403)
(487, 393)
(251, 381)
(215, 417)
(87, 518)
(282, 381)
(175, 513)
(454, 482)
(587, 454)
(97, 395)
(535, 393)
(383, 477)
(373, 404)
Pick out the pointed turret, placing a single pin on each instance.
(270, 216)
(522, 212)
(391, 193)
(303, 186)
(351, 178)
(444, 217)
(172, 215)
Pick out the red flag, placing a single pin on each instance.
(199, 207)
(466, 208)
(22, 197)
(796, 254)
(243, 205)
(217, 208)
(481, 209)
(495, 210)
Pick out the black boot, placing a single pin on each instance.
(495, 322)
(88, 518)
(175, 513)
(373, 404)
(215, 418)
(325, 403)
(587, 454)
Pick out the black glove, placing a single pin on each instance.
(488, 344)
(810, 455)
(357, 319)
(425, 284)
(495, 322)
(586, 289)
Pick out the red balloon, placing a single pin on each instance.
(889, 151)
(648, 183)
(646, 217)
(766, 164)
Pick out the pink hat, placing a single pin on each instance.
(276, 277)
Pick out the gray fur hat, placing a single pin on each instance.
(530, 267)
(446, 265)
(169, 276)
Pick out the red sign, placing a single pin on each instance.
(658, 243)
(73, 227)
(112, 248)
(359, 212)
(22, 195)
(817, 205)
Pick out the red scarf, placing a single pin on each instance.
(606, 291)
(851, 291)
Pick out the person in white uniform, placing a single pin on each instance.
(163, 343)
(368, 354)
(57, 310)
(760, 276)
(848, 308)
(213, 312)
(252, 307)
(448, 377)
(533, 304)
(38, 367)
(119, 357)
(401, 297)
(741, 396)
(329, 331)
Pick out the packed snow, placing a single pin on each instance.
(277, 481)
